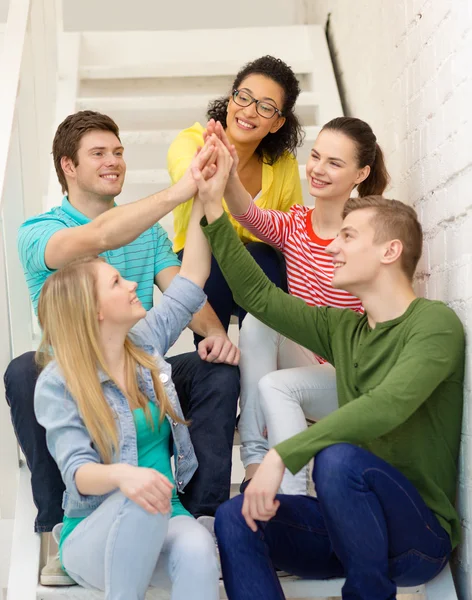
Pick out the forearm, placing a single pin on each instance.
(254, 292)
(206, 323)
(196, 260)
(237, 198)
(95, 479)
(123, 224)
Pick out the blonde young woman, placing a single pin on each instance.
(282, 383)
(110, 410)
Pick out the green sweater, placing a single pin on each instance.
(400, 385)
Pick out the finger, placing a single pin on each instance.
(202, 350)
(167, 483)
(159, 500)
(143, 503)
(196, 174)
(225, 350)
(215, 350)
(237, 357)
(146, 497)
(231, 357)
(208, 172)
(247, 516)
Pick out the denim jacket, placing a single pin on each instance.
(67, 438)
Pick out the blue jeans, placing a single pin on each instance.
(122, 549)
(208, 394)
(368, 524)
(218, 291)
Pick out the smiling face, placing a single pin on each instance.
(357, 258)
(332, 170)
(100, 169)
(117, 300)
(243, 124)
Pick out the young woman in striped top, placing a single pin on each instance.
(282, 383)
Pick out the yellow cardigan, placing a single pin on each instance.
(281, 187)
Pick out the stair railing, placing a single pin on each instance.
(28, 79)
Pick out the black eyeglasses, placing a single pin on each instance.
(264, 109)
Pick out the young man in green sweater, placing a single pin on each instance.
(386, 461)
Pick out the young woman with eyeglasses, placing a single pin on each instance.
(259, 120)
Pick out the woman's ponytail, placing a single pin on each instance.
(378, 178)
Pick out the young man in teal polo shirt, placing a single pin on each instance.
(88, 157)
(386, 461)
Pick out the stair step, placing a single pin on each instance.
(174, 111)
(147, 53)
(294, 588)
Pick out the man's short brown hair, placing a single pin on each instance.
(393, 220)
(70, 132)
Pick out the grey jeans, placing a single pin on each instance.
(121, 549)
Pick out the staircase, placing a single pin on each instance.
(154, 84)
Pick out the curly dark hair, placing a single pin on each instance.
(290, 135)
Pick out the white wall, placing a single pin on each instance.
(4, 6)
(405, 68)
(109, 15)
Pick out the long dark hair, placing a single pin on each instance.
(368, 153)
(290, 135)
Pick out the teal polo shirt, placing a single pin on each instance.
(139, 261)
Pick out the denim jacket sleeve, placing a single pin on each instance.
(165, 322)
(67, 438)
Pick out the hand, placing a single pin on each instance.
(216, 128)
(259, 498)
(212, 189)
(147, 487)
(205, 162)
(219, 349)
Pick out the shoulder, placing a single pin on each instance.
(436, 316)
(286, 162)
(50, 387)
(51, 374)
(193, 134)
(52, 218)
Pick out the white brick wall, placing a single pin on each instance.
(405, 67)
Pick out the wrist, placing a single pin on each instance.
(275, 458)
(213, 211)
(179, 193)
(117, 473)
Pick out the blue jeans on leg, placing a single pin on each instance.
(46, 481)
(208, 394)
(369, 524)
(219, 294)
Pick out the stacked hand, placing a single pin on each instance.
(211, 179)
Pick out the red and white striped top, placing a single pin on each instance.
(309, 267)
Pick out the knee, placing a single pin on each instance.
(228, 520)
(20, 366)
(196, 553)
(223, 380)
(271, 387)
(333, 465)
(21, 370)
